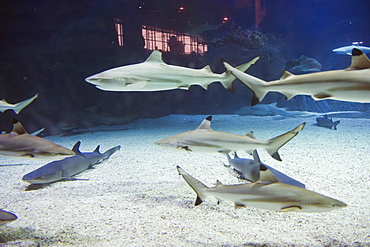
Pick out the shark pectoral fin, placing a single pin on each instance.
(73, 178)
(322, 96)
(138, 84)
(186, 148)
(290, 209)
(239, 205)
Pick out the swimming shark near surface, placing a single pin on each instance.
(254, 170)
(327, 122)
(18, 143)
(156, 75)
(6, 217)
(351, 84)
(18, 107)
(271, 196)
(204, 139)
(348, 49)
(68, 167)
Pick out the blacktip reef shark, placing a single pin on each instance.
(68, 167)
(348, 49)
(271, 196)
(254, 170)
(156, 75)
(6, 217)
(351, 84)
(204, 139)
(18, 143)
(327, 122)
(18, 107)
(271, 110)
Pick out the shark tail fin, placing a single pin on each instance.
(257, 85)
(277, 142)
(229, 77)
(111, 151)
(335, 124)
(19, 106)
(195, 184)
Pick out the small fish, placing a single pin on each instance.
(18, 143)
(156, 75)
(68, 167)
(6, 217)
(204, 139)
(351, 84)
(254, 170)
(327, 122)
(18, 107)
(271, 196)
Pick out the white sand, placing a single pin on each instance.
(137, 198)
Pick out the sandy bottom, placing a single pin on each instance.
(137, 198)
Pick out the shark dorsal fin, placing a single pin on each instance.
(207, 68)
(256, 157)
(18, 128)
(235, 155)
(286, 74)
(76, 147)
(250, 134)
(155, 57)
(359, 60)
(205, 125)
(218, 183)
(97, 149)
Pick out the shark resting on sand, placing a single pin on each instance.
(351, 84)
(18, 143)
(68, 167)
(16, 107)
(271, 196)
(254, 170)
(156, 75)
(204, 139)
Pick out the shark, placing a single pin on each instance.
(271, 110)
(254, 170)
(18, 143)
(270, 196)
(155, 75)
(351, 84)
(204, 139)
(17, 107)
(348, 49)
(68, 167)
(327, 122)
(6, 217)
